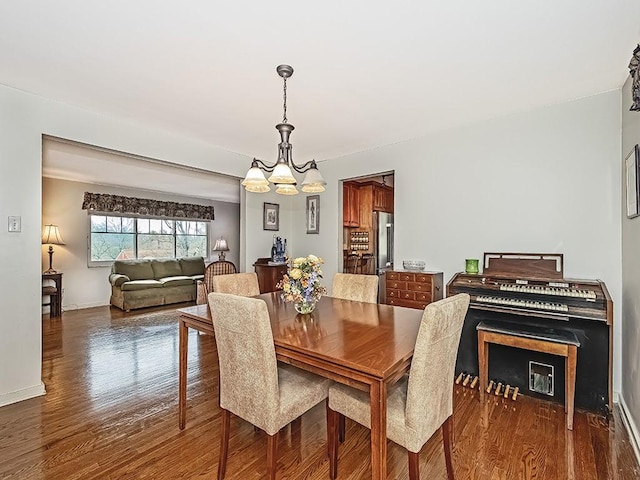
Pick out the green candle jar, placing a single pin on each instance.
(471, 265)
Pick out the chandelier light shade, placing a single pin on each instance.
(51, 236)
(221, 246)
(281, 171)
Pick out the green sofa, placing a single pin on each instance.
(150, 282)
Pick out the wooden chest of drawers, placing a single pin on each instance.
(412, 289)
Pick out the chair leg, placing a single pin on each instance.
(414, 465)
(272, 455)
(332, 441)
(342, 427)
(447, 433)
(224, 443)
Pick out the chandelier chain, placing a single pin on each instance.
(284, 89)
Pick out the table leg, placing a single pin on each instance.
(483, 364)
(182, 396)
(570, 381)
(378, 397)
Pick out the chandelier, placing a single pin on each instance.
(281, 175)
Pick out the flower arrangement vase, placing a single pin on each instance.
(304, 307)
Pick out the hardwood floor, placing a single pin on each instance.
(111, 412)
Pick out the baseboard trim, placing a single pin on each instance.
(20, 395)
(630, 426)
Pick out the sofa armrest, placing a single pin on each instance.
(117, 279)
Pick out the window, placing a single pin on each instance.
(120, 238)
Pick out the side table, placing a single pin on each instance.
(55, 302)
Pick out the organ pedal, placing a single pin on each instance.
(466, 380)
(490, 387)
(459, 378)
(474, 382)
(506, 391)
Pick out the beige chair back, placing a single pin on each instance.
(247, 358)
(360, 288)
(429, 392)
(242, 284)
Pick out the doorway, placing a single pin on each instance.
(368, 225)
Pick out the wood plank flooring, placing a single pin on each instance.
(111, 412)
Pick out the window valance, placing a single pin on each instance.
(106, 203)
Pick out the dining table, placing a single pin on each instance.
(367, 346)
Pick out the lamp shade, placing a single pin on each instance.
(286, 189)
(282, 174)
(254, 177)
(51, 235)
(313, 182)
(221, 245)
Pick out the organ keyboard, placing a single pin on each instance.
(529, 289)
(586, 299)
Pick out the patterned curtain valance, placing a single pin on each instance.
(634, 70)
(143, 206)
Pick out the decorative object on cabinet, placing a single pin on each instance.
(313, 214)
(221, 246)
(271, 216)
(269, 275)
(634, 70)
(471, 265)
(282, 177)
(278, 251)
(301, 284)
(413, 289)
(632, 176)
(413, 265)
(51, 236)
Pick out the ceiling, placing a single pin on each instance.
(367, 73)
(81, 163)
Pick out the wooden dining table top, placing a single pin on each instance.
(367, 337)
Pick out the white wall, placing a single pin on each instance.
(89, 287)
(630, 325)
(23, 120)
(546, 180)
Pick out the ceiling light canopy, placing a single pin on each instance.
(281, 174)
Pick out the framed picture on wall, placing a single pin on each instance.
(313, 214)
(271, 216)
(632, 176)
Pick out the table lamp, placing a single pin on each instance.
(221, 247)
(51, 236)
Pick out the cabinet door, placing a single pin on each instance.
(379, 199)
(346, 205)
(388, 200)
(354, 206)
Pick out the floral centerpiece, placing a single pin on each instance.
(301, 284)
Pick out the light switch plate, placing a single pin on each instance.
(15, 224)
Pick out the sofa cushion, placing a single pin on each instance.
(168, 267)
(197, 277)
(192, 266)
(134, 269)
(176, 281)
(140, 285)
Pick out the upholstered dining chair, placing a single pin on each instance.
(252, 386)
(360, 288)
(242, 284)
(420, 403)
(204, 286)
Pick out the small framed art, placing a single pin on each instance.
(313, 214)
(632, 177)
(271, 216)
